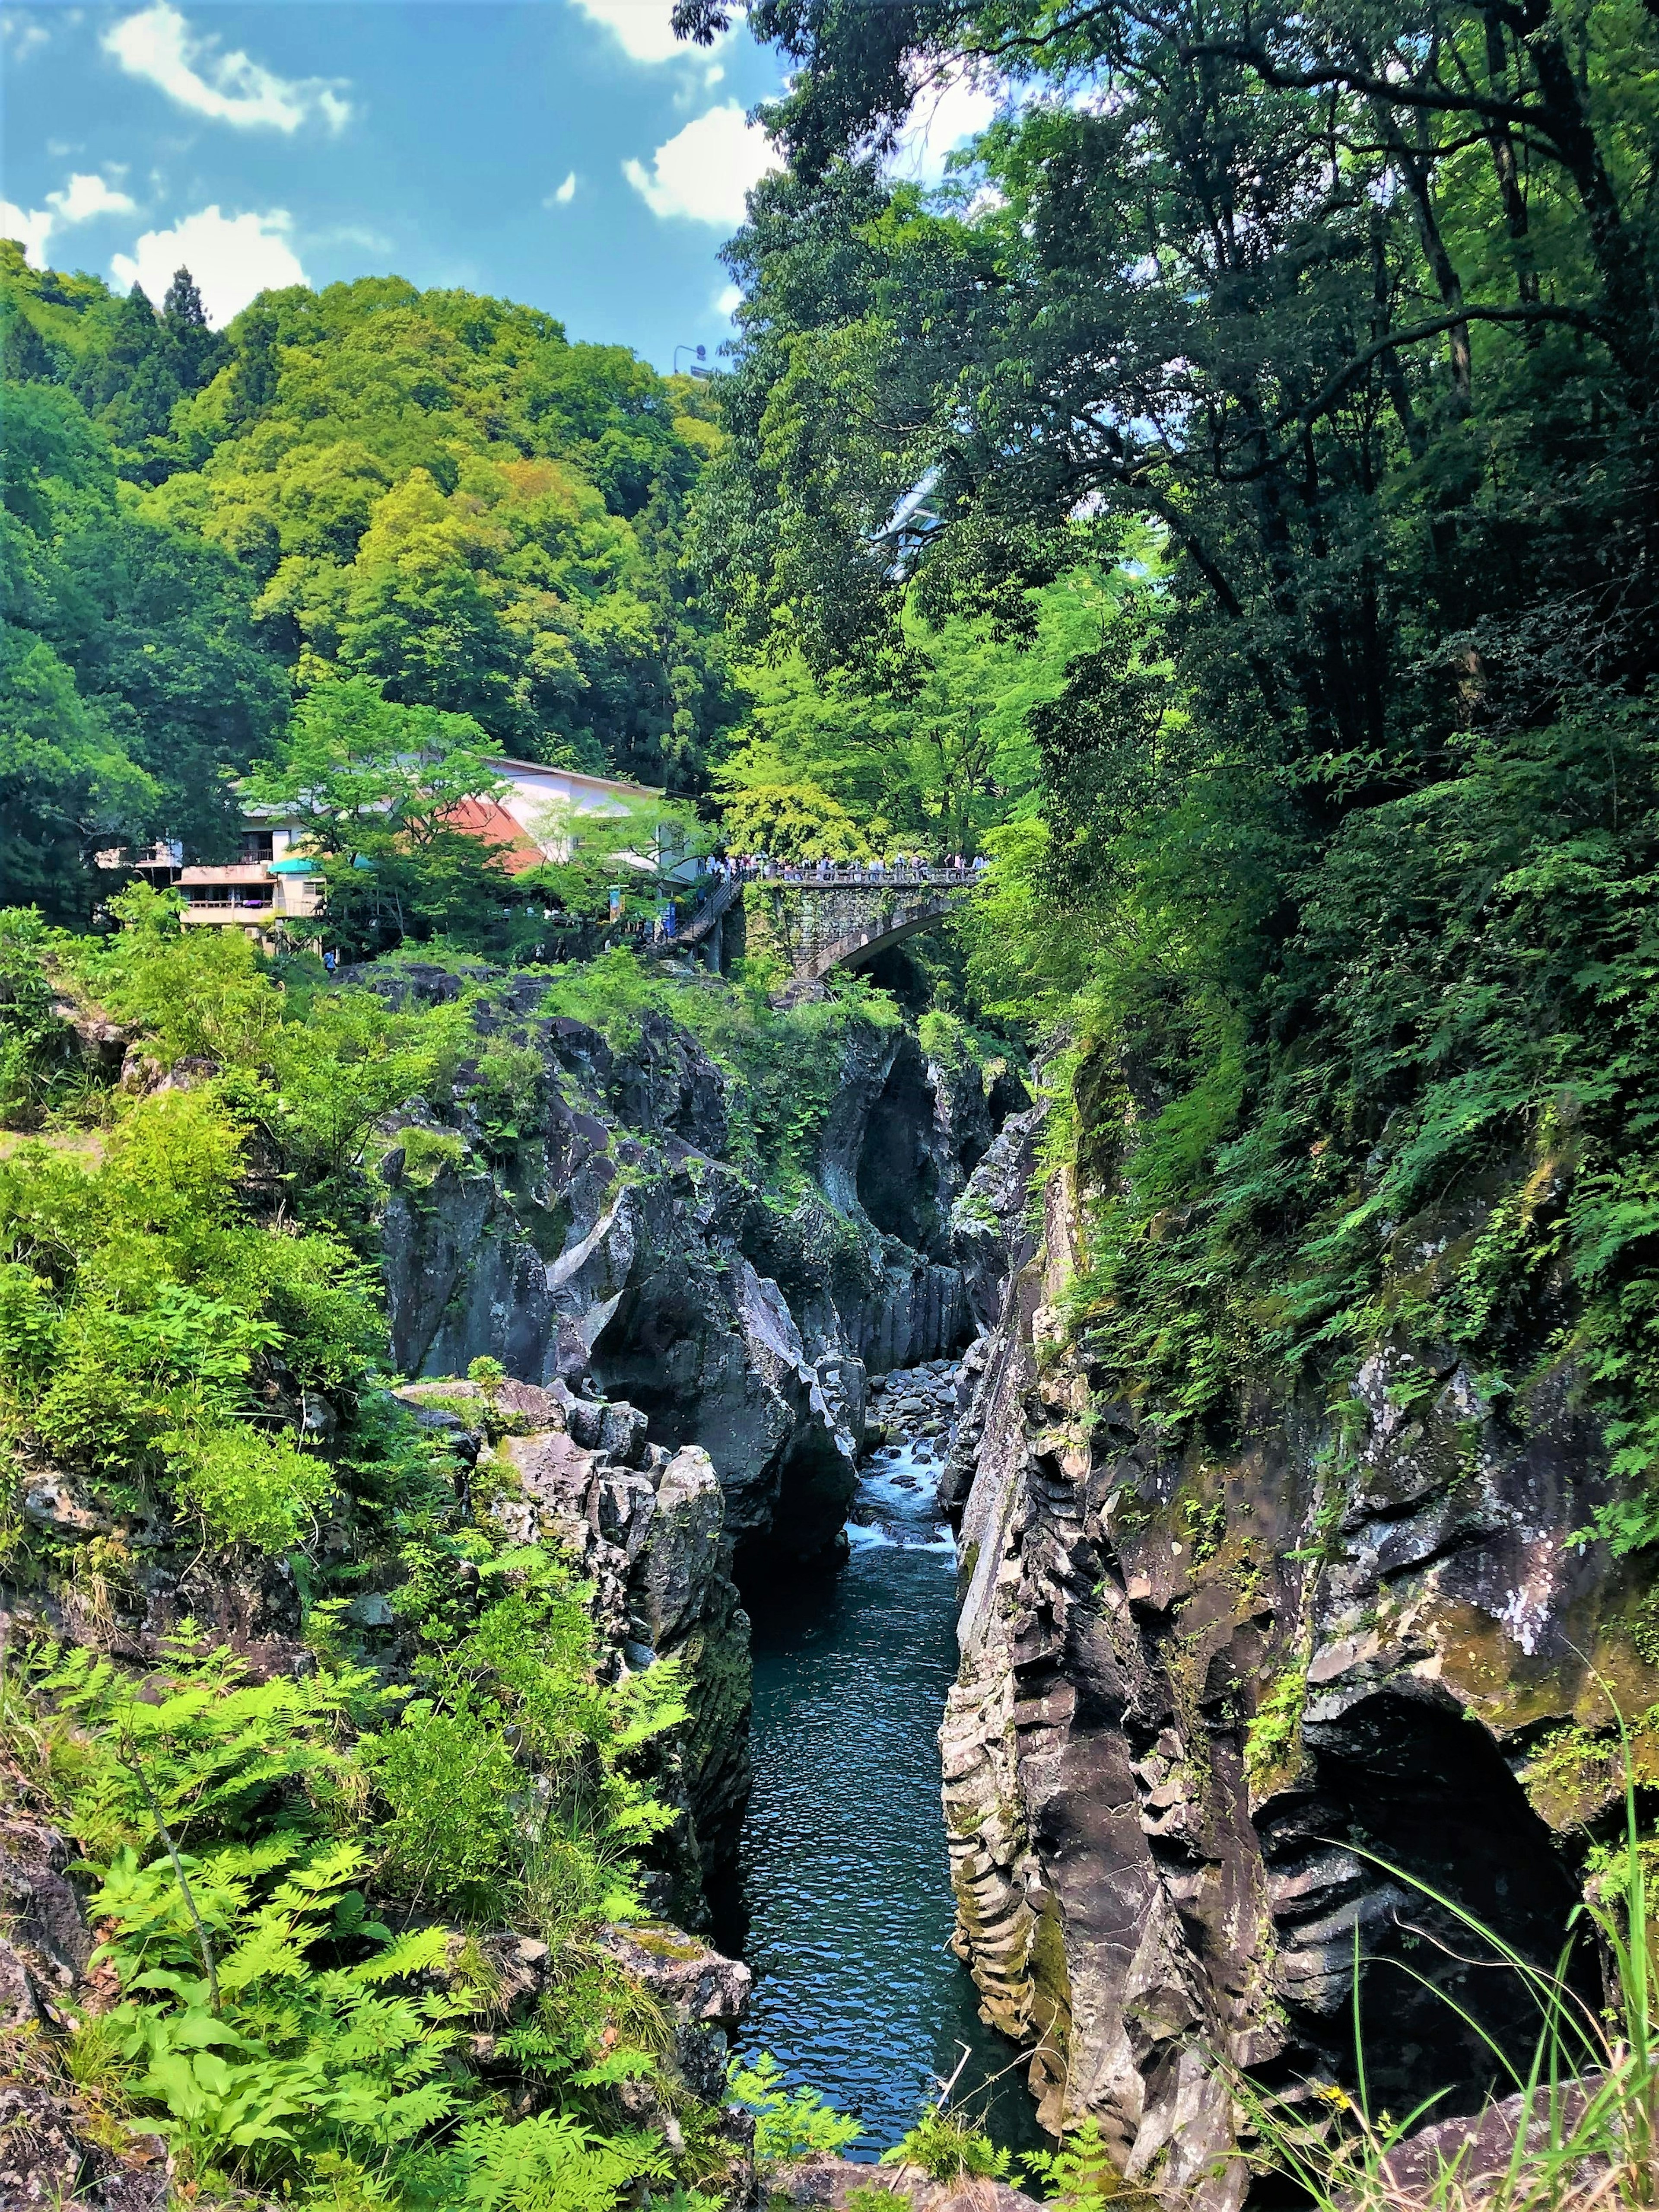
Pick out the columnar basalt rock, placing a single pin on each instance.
(1203, 1695)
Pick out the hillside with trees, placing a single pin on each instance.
(434, 493)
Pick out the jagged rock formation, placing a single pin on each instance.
(1204, 1694)
(701, 1992)
(646, 1528)
(146, 1580)
(613, 1241)
(643, 1523)
(826, 2184)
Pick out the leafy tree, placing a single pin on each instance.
(431, 490)
(1353, 309)
(844, 766)
(440, 491)
(377, 786)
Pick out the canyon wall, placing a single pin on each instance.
(1222, 1709)
(613, 1240)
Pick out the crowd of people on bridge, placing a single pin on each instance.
(899, 867)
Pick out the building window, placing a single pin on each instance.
(257, 845)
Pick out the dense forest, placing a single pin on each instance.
(1229, 503)
(1339, 873)
(433, 493)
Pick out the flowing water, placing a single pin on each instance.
(843, 1864)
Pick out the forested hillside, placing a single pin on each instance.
(1229, 501)
(434, 492)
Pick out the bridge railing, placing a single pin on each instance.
(812, 875)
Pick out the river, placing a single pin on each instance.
(843, 1866)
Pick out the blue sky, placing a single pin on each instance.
(565, 153)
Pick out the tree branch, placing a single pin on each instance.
(1578, 319)
(1256, 56)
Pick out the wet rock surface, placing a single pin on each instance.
(1203, 1694)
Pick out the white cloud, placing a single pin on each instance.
(84, 197)
(705, 171)
(729, 301)
(945, 115)
(23, 36)
(643, 29)
(159, 44)
(231, 257)
(31, 229)
(564, 195)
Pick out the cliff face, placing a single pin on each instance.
(613, 1239)
(644, 1526)
(1219, 1711)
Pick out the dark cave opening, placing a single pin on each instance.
(1412, 1803)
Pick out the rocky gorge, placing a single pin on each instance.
(1229, 1720)
(626, 1350)
(1220, 1715)
(615, 1238)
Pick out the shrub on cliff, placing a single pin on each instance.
(783, 1067)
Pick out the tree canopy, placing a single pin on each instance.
(433, 491)
(1338, 867)
(133, 683)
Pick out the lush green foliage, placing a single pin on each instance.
(946, 2145)
(1339, 876)
(270, 2026)
(789, 2123)
(187, 1335)
(131, 680)
(843, 769)
(164, 1326)
(431, 490)
(380, 792)
(1079, 2175)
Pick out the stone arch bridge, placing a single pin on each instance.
(816, 920)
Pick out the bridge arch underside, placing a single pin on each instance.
(858, 949)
